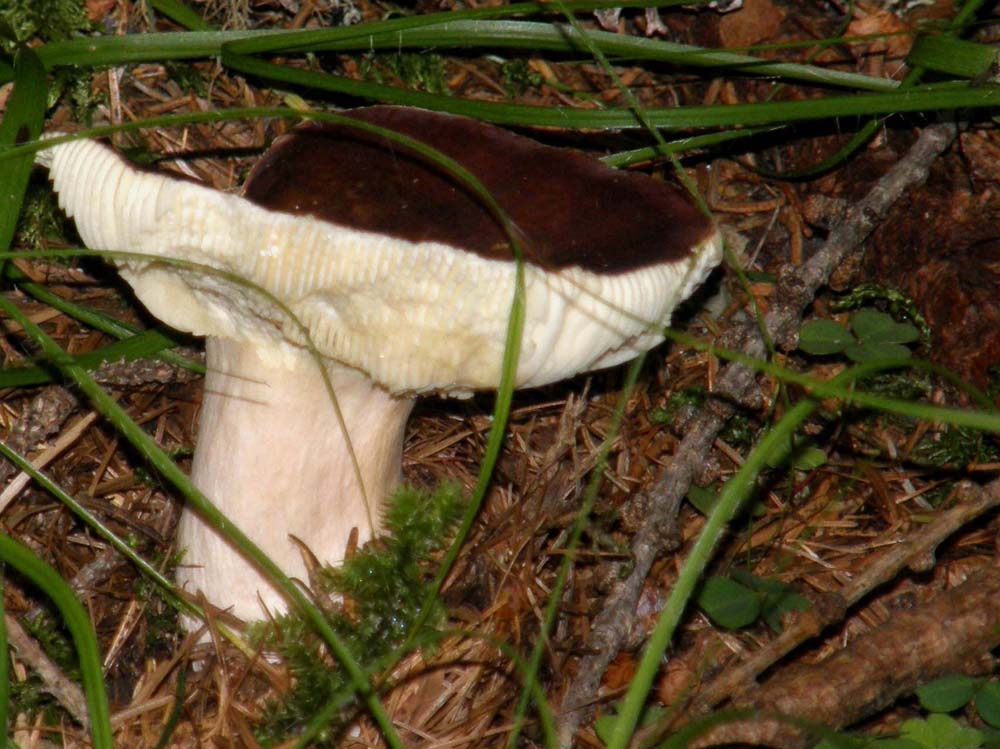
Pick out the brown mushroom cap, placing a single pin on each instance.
(569, 209)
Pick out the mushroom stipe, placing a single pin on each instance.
(403, 280)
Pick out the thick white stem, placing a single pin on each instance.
(274, 457)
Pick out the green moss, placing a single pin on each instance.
(41, 219)
(383, 587)
(417, 71)
(518, 77)
(955, 447)
(50, 20)
(688, 397)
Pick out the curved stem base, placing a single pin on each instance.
(274, 457)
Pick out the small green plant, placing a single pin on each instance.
(951, 693)
(689, 397)
(801, 453)
(936, 731)
(955, 446)
(872, 336)
(939, 730)
(604, 726)
(382, 588)
(742, 599)
(40, 219)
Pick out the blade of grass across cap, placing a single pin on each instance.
(158, 458)
(75, 617)
(923, 98)
(22, 122)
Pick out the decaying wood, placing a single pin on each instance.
(953, 632)
(916, 553)
(796, 289)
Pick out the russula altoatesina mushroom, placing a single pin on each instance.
(403, 279)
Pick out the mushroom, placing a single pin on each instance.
(403, 281)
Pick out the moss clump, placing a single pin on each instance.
(382, 589)
(50, 20)
(418, 72)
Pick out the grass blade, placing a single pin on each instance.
(22, 122)
(534, 35)
(733, 495)
(81, 630)
(177, 11)
(4, 663)
(958, 57)
(139, 346)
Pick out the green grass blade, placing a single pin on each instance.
(534, 35)
(97, 320)
(135, 48)
(681, 145)
(99, 528)
(4, 663)
(158, 47)
(22, 122)
(74, 616)
(177, 11)
(917, 99)
(462, 29)
(986, 420)
(555, 597)
(945, 54)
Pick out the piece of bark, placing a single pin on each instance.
(915, 552)
(142, 372)
(796, 289)
(44, 415)
(951, 633)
